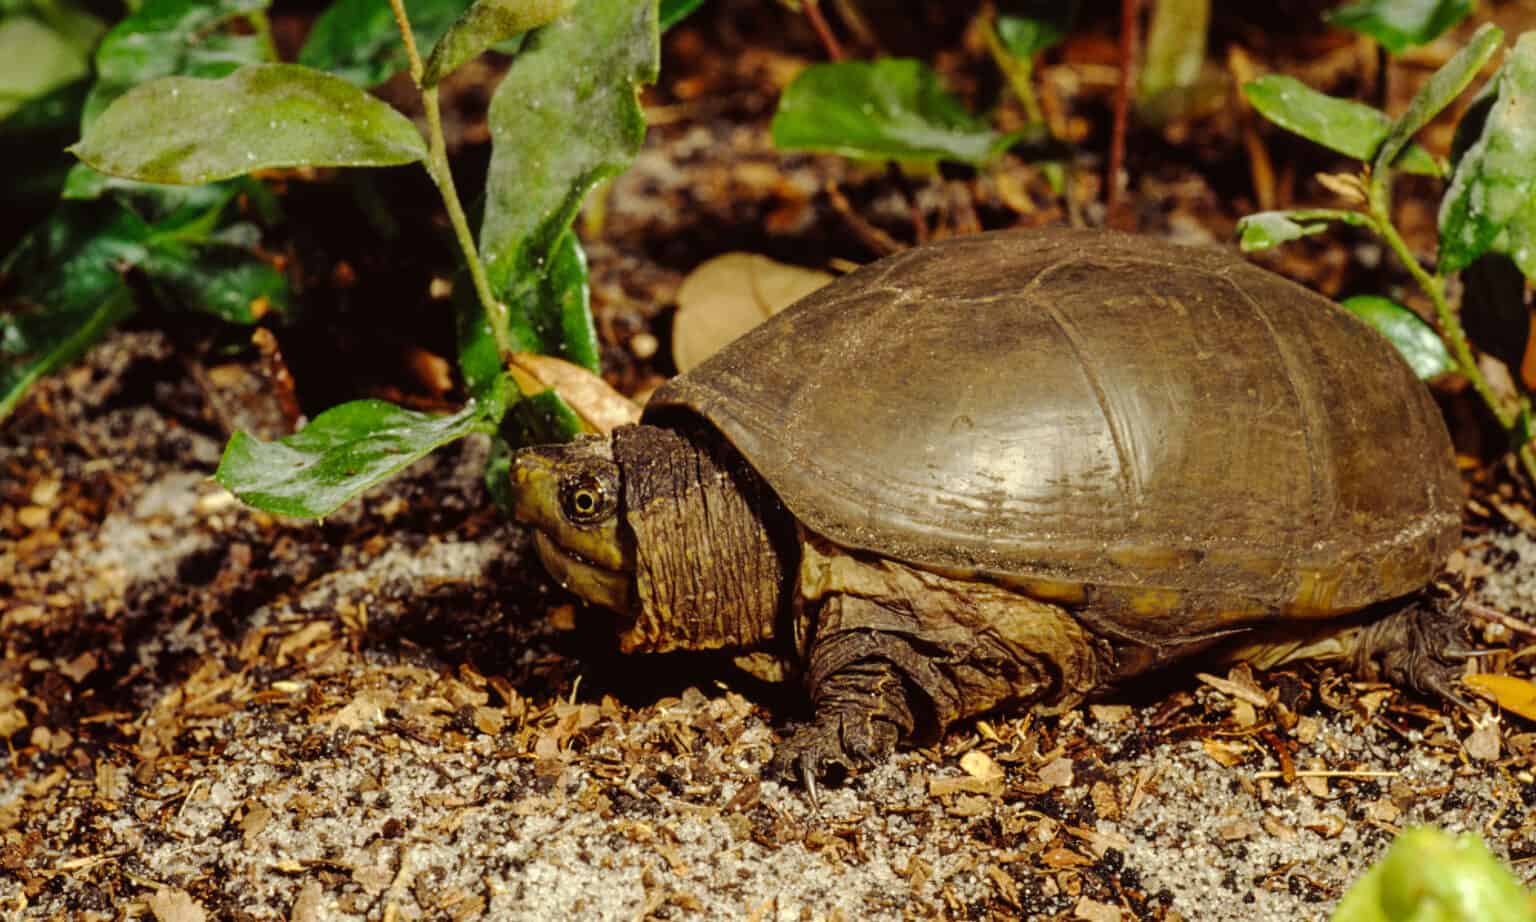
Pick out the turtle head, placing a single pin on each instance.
(571, 495)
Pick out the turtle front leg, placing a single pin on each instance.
(860, 713)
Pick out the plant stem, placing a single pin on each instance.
(1016, 69)
(1456, 337)
(442, 175)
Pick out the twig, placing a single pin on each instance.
(823, 31)
(1128, 11)
(1479, 610)
(875, 238)
(1325, 773)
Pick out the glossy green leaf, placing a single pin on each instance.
(888, 108)
(564, 118)
(66, 291)
(359, 41)
(1351, 128)
(188, 130)
(1028, 27)
(1401, 24)
(343, 452)
(1491, 202)
(1430, 876)
(224, 280)
(673, 12)
(1268, 229)
(1443, 86)
(165, 38)
(542, 419)
(483, 25)
(1416, 340)
(553, 317)
(35, 60)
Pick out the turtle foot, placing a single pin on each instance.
(833, 747)
(1422, 645)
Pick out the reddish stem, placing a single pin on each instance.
(823, 31)
(1128, 17)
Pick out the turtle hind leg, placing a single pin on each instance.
(1420, 645)
(1415, 642)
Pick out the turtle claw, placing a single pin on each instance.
(831, 749)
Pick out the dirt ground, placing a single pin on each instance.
(214, 714)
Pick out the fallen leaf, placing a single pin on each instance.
(1057, 773)
(726, 296)
(1225, 753)
(1482, 744)
(978, 764)
(601, 408)
(1509, 692)
(172, 905)
(1093, 911)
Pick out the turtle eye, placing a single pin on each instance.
(585, 498)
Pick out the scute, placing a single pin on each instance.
(1082, 408)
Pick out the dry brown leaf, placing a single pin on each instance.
(726, 296)
(1057, 773)
(1510, 692)
(172, 905)
(601, 408)
(307, 907)
(1225, 753)
(1094, 911)
(978, 764)
(1482, 744)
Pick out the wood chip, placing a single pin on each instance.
(1094, 911)
(1060, 857)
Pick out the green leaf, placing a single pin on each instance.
(889, 108)
(358, 40)
(1416, 340)
(675, 11)
(1429, 876)
(164, 38)
(67, 291)
(564, 118)
(343, 452)
(223, 280)
(1491, 202)
(1268, 229)
(263, 116)
(543, 419)
(1028, 27)
(483, 25)
(1401, 24)
(1351, 128)
(1443, 86)
(34, 60)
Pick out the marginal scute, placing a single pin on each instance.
(1165, 434)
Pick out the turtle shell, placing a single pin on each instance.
(1169, 436)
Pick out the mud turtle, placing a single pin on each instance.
(1015, 469)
